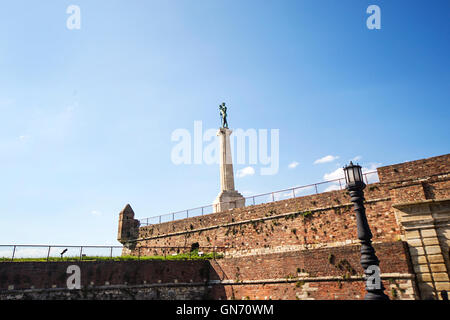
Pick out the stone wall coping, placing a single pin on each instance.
(383, 276)
(283, 249)
(404, 205)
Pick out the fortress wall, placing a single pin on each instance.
(415, 169)
(327, 273)
(309, 220)
(410, 203)
(319, 219)
(48, 275)
(302, 248)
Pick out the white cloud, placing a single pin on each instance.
(247, 171)
(96, 213)
(336, 174)
(371, 178)
(339, 173)
(357, 158)
(24, 137)
(283, 195)
(293, 165)
(326, 159)
(333, 187)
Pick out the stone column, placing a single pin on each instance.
(228, 197)
(427, 226)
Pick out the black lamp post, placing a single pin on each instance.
(369, 261)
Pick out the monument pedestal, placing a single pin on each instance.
(228, 197)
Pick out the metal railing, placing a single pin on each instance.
(31, 252)
(315, 188)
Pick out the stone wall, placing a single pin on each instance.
(410, 203)
(325, 273)
(310, 220)
(105, 280)
(302, 248)
(51, 275)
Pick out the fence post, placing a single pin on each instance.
(253, 200)
(187, 213)
(273, 198)
(48, 253)
(147, 221)
(315, 185)
(14, 252)
(112, 250)
(340, 184)
(173, 216)
(367, 180)
(81, 253)
(293, 193)
(159, 219)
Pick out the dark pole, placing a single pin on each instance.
(369, 260)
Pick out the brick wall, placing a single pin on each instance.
(415, 169)
(43, 275)
(315, 219)
(305, 274)
(327, 273)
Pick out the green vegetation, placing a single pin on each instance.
(394, 293)
(182, 256)
(331, 258)
(307, 214)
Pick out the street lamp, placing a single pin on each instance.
(369, 261)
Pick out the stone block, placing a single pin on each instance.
(421, 268)
(433, 249)
(412, 234)
(415, 243)
(419, 259)
(426, 233)
(431, 241)
(435, 258)
(424, 277)
(442, 286)
(440, 277)
(416, 251)
(438, 267)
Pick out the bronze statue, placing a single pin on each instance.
(223, 115)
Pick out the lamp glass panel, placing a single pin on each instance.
(351, 176)
(360, 175)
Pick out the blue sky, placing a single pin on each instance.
(87, 115)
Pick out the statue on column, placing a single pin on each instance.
(223, 115)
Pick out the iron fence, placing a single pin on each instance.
(93, 253)
(300, 191)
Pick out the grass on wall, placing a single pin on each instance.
(182, 256)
